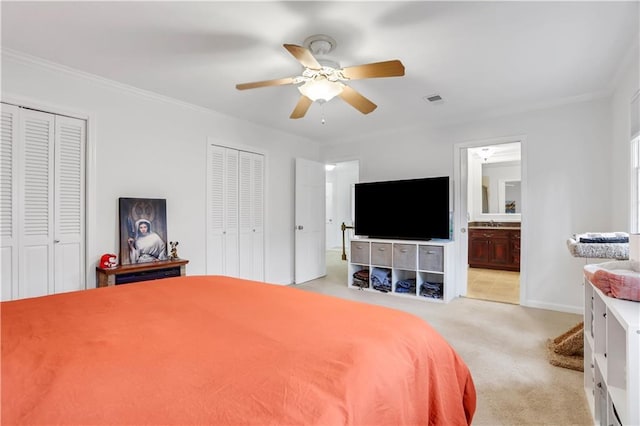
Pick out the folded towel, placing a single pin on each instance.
(382, 276)
(604, 240)
(602, 237)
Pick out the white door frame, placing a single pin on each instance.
(341, 200)
(460, 217)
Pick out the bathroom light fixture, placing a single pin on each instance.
(486, 152)
(329, 167)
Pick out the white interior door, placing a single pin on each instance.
(35, 187)
(8, 202)
(222, 211)
(69, 204)
(462, 219)
(251, 232)
(43, 203)
(310, 261)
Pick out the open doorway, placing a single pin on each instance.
(489, 231)
(340, 180)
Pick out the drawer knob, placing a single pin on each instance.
(381, 249)
(403, 251)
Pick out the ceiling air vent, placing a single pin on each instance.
(434, 99)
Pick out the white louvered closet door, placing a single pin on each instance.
(251, 196)
(42, 203)
(222, 211)
(35, 204)
(69, 204)
(8, 204)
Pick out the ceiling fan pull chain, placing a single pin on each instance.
(322, 112)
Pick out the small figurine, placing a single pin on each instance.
(173, 255)
(108, 261)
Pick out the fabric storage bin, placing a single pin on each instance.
(381, 254)
(360, 252)
(404, 256)
(430, 258)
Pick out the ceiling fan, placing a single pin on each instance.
(322, 79)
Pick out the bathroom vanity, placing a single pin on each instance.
(494, 245)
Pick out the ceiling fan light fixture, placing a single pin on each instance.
(321, 89)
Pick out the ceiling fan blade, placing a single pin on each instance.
(392, 68)
(276, 82)
(356, 100)
(303, 55)
(301, 107)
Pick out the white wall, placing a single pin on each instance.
(568, 182)
(628, 83)
(576, 156)
(152, 147)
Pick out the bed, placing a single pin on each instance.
(224, 351)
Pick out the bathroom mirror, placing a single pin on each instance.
(494, 181)
(500, 187)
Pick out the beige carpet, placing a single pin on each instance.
(504, 346)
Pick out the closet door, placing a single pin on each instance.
(42, 212)
(8, 204)
(251, 196)
(222, 206)
(69, 204)
(35, 220)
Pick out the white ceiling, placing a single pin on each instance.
(484, 58)
(501, 153)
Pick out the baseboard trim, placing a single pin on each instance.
(553, 307)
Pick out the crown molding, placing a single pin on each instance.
(30, 60)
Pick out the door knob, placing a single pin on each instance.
(300, 227)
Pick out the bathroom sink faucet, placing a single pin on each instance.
(492, 223)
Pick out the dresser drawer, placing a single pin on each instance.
(360, 252)
(381, 254)
(404, 256)
(430, 258)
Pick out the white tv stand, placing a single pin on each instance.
(611, 358)
(425, 264)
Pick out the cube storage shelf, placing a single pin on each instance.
(417, 269)
(611, 358)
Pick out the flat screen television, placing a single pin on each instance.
(411, 209)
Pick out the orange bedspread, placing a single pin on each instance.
(224, 351)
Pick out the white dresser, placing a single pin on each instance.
(611, 358)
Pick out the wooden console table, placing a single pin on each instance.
(140, 272)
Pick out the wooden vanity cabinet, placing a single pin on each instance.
(494, 249)
(514, 246)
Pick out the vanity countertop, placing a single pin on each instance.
(494, 225)
(515, 228)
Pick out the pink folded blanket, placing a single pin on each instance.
(619, 279)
